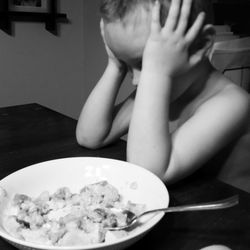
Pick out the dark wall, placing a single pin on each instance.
(235, 13)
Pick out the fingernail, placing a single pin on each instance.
(202, 13)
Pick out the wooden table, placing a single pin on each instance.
(32, 133)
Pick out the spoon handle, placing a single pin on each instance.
(220, 204)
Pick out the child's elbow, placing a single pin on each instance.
(152, 164)
(86, 141)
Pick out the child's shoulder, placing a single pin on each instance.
(221, 87)
(223, 96)
(218, 91)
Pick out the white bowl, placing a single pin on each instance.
(134, 183)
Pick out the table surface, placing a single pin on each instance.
(32, 133)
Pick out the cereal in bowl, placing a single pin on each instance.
(65, 218)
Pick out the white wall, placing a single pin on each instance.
(36, 66)
(56, 71)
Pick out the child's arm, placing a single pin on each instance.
(150, 144)
(100, 122)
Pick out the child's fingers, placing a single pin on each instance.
(183, 20)
(155, 22)
(195, 29)
(173, 15)
(102, 27)
(197, 57)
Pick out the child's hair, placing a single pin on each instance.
(112, 10)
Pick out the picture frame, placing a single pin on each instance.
(40, 6)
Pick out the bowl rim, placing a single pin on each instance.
(11, 239)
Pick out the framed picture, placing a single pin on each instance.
(28, 5)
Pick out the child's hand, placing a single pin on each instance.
(112, 58)
(167, 48)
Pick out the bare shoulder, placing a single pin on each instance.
(221, 88)
(226, 98)
(231, 94)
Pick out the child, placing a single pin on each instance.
(183, 111)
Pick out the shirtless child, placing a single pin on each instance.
(183, 111)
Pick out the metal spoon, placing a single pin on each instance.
(220, 204)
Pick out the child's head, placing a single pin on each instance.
(127, 26)
(113, 10)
